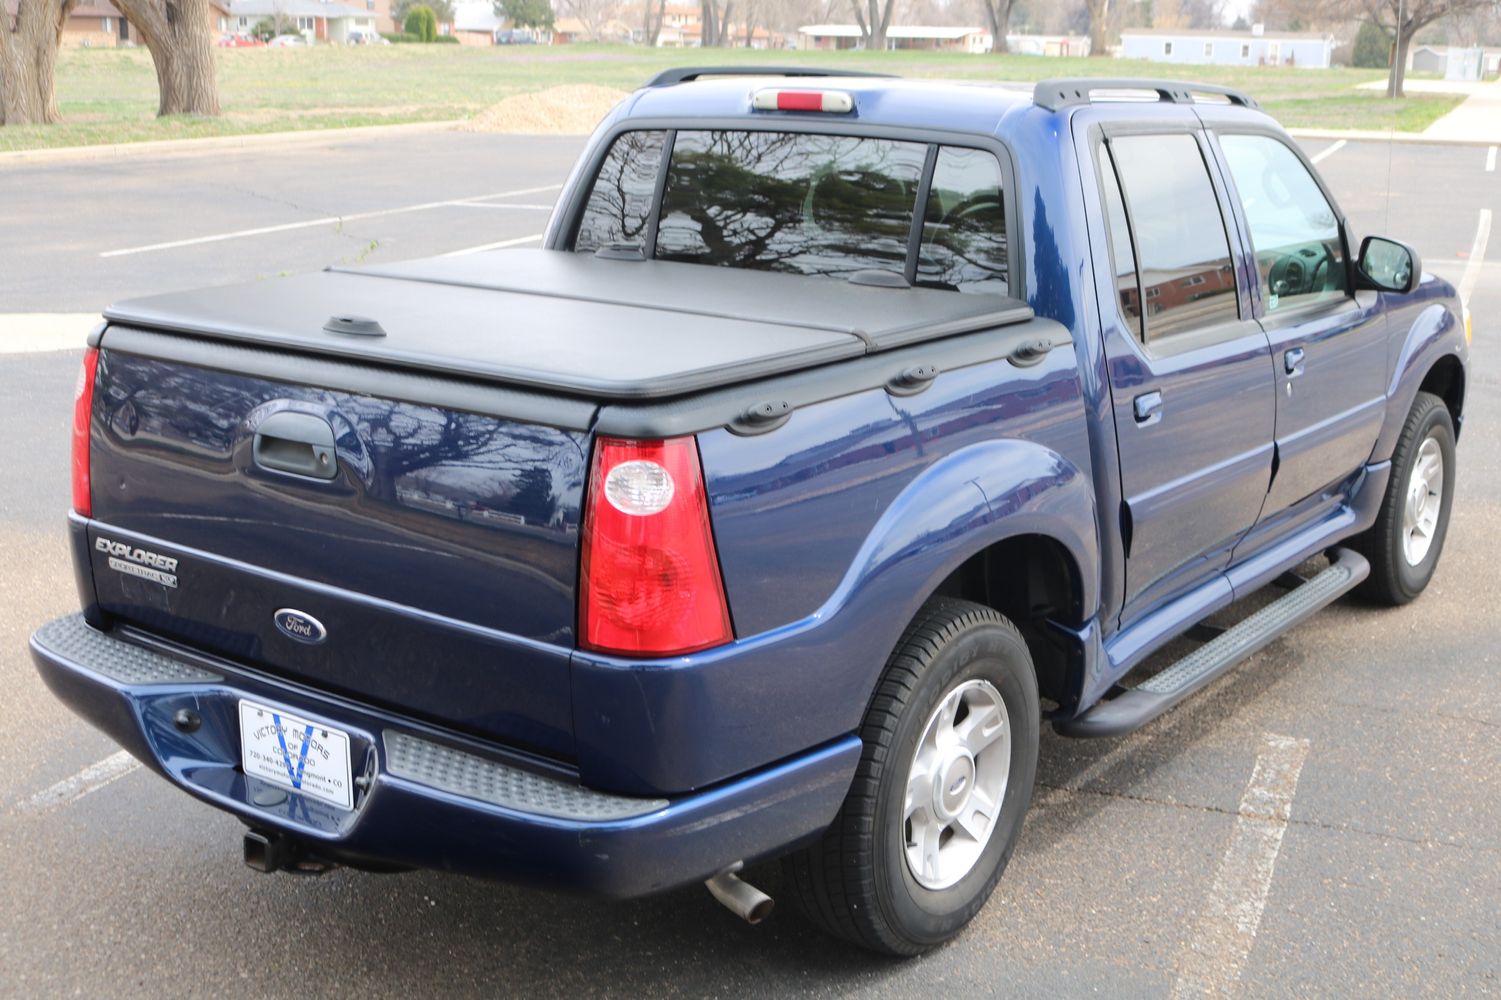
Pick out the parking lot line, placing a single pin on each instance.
(518, 241)
(1215, 954)
(1477, 256)
(1490, 160)
(92, 778)
(1325, 153)
(328, 220)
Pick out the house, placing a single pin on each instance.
(1048, 45)
(475, 22)
(97, 24)
(931, 38)
(566, 30)
(315, 20)
(1189, 46)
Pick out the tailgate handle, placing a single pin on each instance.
(299, 443)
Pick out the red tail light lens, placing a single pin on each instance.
(83, 411)
(650, 583)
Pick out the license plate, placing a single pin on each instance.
(305, 756)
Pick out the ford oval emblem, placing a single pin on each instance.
(300, 625)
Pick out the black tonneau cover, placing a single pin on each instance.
(609, 329)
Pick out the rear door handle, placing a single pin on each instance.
(1147, 408)
(299, 443)
(1292, 362)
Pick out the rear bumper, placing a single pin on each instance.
(429, 800)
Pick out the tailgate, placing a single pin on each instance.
(436, 554)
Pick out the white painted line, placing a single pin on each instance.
(330, 220)
(85, 782)
(1323, 154)
(518, 241)
(1212, 959)
(1490, 160)
(503, 204)
(30, 333)
(1477, 257)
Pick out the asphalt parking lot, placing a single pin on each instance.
(1134, 876)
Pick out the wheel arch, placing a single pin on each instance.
(1446, 380)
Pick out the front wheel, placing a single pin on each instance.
(1404, 544)
(945, 776)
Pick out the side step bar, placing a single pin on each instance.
(1135, 708)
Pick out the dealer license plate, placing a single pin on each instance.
(296, 753)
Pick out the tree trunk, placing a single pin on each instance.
(28, 62)
(1398, 72)
(177, 34)
(1099, 10)
(998, 13)
(654, 26)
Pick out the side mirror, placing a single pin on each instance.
(1388, 266)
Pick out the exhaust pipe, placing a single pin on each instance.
(741, 898)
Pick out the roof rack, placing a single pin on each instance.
(1055, 95)
(687, 74)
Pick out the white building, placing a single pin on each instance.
(1188, 46)
(910, 36)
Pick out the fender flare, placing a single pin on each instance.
(1435, 333)
(959, 506)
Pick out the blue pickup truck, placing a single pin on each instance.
(844, 431)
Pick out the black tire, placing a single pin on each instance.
(855, 882)
(1393, 579)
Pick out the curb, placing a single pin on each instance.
(181, 147)
(1375, 135)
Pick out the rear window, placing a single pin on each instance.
(804, 204)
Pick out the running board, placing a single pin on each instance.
(1136, 707)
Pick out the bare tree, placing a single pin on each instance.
(651, 27)
(181, 42)
(28, 61)
(592, 14)
(998, 13)
(874, 20)
(1099, 13)
(1405, 18)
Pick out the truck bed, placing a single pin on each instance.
(579, 325)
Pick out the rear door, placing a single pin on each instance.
(1328, 343)
(1190, 369)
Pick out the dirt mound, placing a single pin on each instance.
(573, 110)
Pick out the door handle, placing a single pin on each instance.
(1147, 408)
(1292, 362)
(299, 443)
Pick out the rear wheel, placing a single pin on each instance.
(933, 814)
(1404, 544)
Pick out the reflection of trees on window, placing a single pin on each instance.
(619, 207)
(964, 225)
(1184, 255)
(808, 204)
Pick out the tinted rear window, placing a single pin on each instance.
(806, 204)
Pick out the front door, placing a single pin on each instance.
(1328, 345)
(1190, 376)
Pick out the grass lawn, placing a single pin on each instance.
(109, 96)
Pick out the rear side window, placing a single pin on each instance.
(620, 204)
(964, 225)
(1182, 252)
(781, 201)
(1299, 253)
(805, 204)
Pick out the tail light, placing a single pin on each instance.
(650, 583)
(83, 411)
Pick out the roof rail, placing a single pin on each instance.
(1055, 95)
(687, 74)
